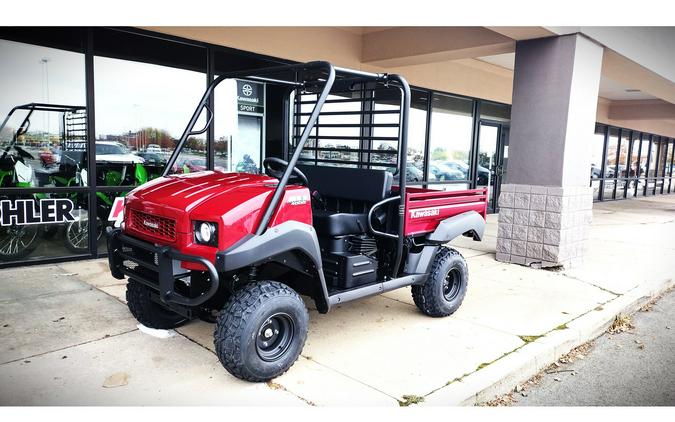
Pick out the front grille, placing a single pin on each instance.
(153, 225)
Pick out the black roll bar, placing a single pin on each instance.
(264, 222)
(402, 162)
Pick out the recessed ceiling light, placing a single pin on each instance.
(632, 90)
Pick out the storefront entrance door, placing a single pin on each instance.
(493, 147)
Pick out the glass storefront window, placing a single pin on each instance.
(450, 137)
(596, 152)
(338, 133)
(645, 155)
(653, 156)
(341, 143)
(239, 126)
(663, 152)
(634, 161)
(622, 166)
(33, 75)
(634, 172)
(34, 229)
(612, 153)
(141, 112)
(669, 163)
(611, 161)
(417, 127)
(487, 158)
(45, 143)
(495, 111)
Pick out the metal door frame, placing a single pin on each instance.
(499, 157)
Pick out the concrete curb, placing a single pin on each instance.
(502, 376)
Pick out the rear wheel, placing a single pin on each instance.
(148, 312)
(444, 290)
(261, 331)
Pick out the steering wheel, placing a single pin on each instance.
(276, 167)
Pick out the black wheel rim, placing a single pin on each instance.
(451, 284)
(275, 336)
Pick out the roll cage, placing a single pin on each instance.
(320, 76)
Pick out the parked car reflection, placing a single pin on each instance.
(412, 173)
(442, 172)
(482, 172)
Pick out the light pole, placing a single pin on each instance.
(45, 91)
(138, 126)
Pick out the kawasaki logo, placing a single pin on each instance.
(426, 212)
(150, 224)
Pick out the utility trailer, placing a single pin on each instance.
(237, 249)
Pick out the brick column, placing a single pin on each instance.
(543, 226)
(545, 205)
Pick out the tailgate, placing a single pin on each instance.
(426, 208)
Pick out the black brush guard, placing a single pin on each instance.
(155, 267)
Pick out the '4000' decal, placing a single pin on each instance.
(29, 211)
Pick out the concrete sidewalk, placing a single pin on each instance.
(64, 330)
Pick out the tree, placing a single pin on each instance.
(439, 154)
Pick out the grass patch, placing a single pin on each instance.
(482, 365)
(458, 379)
(529, 339)
(562, 327)
(409, 399)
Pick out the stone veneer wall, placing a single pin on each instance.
(542, 225)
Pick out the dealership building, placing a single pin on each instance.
(548, 119)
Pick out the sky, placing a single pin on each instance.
(128, 94)
(21, 78)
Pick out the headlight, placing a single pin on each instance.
(206, 233)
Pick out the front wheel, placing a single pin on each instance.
(261, 331)
(443, 292)
(148, 312)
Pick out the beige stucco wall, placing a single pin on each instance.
(343, 48)
(656, 126)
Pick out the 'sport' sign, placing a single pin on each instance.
(250, 97)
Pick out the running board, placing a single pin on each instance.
(376, 289)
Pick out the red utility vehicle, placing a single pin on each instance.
(237, 248)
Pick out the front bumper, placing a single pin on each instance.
(157, 267)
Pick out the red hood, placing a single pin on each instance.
(200, 195)
(232, 200)
(185, 192)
